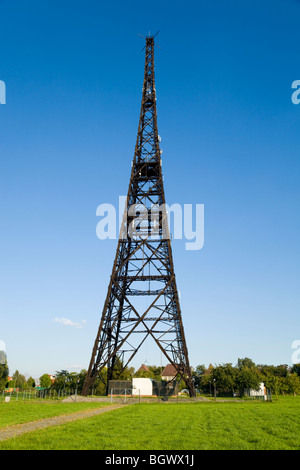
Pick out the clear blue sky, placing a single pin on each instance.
(230, 140)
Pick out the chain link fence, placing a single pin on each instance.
(36, 394)
(122, 395)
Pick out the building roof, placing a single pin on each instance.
(169, 371)
(143, 367)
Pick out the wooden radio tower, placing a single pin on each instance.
(142, 298)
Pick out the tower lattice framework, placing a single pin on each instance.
(142, 299)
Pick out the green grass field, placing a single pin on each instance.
(19, 412)
(248, 425)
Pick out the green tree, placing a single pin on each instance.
(121, 372)
(11, 384)
(156, 371)
(3, 375)
(224, 378)
(81, 379)
(20, 380)
(45, 381)
(99, 386)
(278, 371)
(62, 380)
(246, 362)
(30, 382)
(198, 374)
(206, 382)
(147, 374)
(73, 380)
(247, 378)
(274, 383)
(293, 384)
(296, 369)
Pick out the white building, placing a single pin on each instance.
(142, 387)
(261, 392)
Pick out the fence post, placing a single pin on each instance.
(111, 395)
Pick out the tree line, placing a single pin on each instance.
(234, 380)
(223, 379)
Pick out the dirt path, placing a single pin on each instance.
(17, 429)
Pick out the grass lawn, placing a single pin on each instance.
(19, 412)
(165, 426)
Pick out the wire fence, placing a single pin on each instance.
(126, 396)
(35, 394)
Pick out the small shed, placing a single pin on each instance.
(261, 392)
(142, 386)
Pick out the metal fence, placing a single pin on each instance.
(267, 396)
(118, 395)
(46, 394)
(129, 396)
